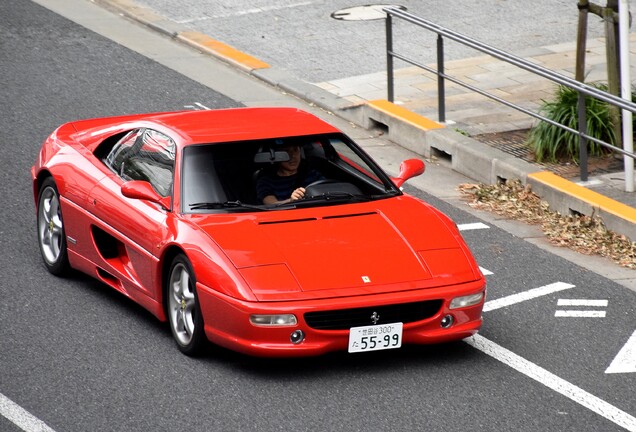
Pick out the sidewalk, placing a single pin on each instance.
(416, 89)
(466, 141)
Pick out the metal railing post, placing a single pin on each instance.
(389, 57)
(582, 136)
(441, 92)
(582, 89)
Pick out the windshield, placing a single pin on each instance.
(263, 175)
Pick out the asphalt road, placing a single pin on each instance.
(78, 356)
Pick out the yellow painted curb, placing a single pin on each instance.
(405, 115)
(222, 50)
(593, 198)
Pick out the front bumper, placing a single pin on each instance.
(227, 320)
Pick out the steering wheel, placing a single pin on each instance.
(313, 189)
(321, 181)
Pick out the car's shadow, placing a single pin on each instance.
(106, 296)
(378, 362)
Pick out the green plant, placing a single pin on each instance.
(551, 143)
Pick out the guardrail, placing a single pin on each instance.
(582, 88)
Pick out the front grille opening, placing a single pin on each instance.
(346, 318)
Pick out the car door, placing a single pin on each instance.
(130, 232)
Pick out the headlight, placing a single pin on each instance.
(465, 301)
(274, 320)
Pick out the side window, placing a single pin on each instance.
(145, 155)
(116, 159)
(354, 163)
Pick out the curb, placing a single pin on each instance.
(408, 129)
(617, 216)
(218, 49)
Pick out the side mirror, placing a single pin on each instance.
(408, 169)
(138, 189)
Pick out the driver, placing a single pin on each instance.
(287, 180)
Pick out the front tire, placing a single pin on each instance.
(184, 312)
(51, 235)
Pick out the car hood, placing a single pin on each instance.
(394, 244)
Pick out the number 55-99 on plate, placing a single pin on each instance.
(375, 337)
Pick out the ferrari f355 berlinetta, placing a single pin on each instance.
(166, 209)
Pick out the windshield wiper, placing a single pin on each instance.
(224, 205)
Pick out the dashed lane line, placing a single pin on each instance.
(582, 302)
(526, 295)
(472, 226)
(21, 417)
(485, 272)
(580, 314)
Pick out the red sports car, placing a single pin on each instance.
(263, 230)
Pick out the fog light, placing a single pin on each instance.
(274, 320)
(447, 321)
(465, 301)
(297, 337)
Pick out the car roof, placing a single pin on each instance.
(201, 127)
(240, 124)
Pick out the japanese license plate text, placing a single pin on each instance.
(375, 337)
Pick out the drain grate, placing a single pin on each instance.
(511, 142)
(363, 13)
(514, 143)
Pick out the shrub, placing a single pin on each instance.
(551, 143)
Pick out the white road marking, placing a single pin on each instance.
(475, 226)
(245, 12)
(579, 314)
(526, 295)
(582, 302)
(198, 106)
(472, 226)
(20, 417)
(550, 380)
(625, 360)
(485, 272)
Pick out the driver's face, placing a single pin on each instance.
(294, 158)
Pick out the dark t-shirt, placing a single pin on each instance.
(283, 186)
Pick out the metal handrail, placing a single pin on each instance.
(581, 88)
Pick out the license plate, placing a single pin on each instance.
(375, 337)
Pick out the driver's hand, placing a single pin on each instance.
(298, 194)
